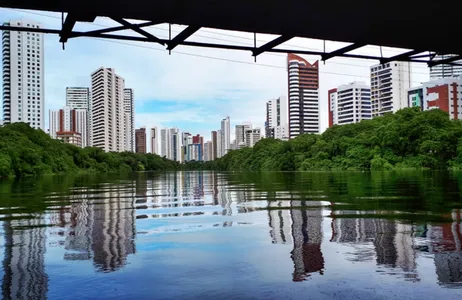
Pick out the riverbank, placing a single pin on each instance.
(408, 139)
(25, 151)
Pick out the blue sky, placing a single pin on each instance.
(193, 88)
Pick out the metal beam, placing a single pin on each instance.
(270, 45)
(444, 61)
(111, 29)
(400, 57)
(341, 51)
(182, 36)
(67, 27)
(135, 28)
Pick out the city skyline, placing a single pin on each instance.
(207, 92)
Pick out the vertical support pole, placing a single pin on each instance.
(62, 26)
(169, 36)
(324, 51)
(255, 45)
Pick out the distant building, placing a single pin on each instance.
(219, 144)
(276, 125)
(171, 144)
(389, 85)
(23, 75)
(252, 136)
(225, 139)
(350, 103)
(444, 93)
(303, 96)
(415, 97)
(208, 149)
(129, 119)
(108, 126)
(214, 141)
(140, 140)
(79, 98)
(70, 137)
(69, 121)
(154, 140)
(165, 142)
(445, 70)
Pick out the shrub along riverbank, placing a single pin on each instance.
(409, 139)
(26, 151)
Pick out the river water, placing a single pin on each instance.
(207, 235)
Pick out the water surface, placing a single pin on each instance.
(207, 235)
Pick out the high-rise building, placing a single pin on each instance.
(214, 142)
(303, 80)
(207, 151)
(240, 135)
(23, 75)
(225, 135)
(276, 125)
(252, 136)
(108, 126)
(444, 94)
(69, 125)
(199, 140)
(186, 140)
(445, 70)
(79, 98)
(140, 140)
(165, 142)
(349, 103)
(219, 145)
(129, 119)
(389, 85)
(154, 142)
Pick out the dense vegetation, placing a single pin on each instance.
(26, 151)
(409, 139)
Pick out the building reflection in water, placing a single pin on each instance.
(103, 231)
(24, 262)
(445, 242)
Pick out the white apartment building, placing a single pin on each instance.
(349, 103)
(164, 142)
(154, 140)
(276, 125)
(170, 144)
(303, 96)
(79, 98)
(219, 144)
(445, 70)
(108, 130)
(69, 121)
(129, 119)
(389, 85)
(225, 136)
(23, 75)
(252, 136)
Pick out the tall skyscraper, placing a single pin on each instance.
(214, 141)
(154, 140)
(129, 119)
(109, 120)
(389, 85)
(23, 75)
(79, 98)
(240, 135)
(445, 70)
(171, 144)
(165, 142)
(225, 136)
(69, 125)
(276, 119)
(219, 145)
(349, 103)
(303, 80)
(140, 140)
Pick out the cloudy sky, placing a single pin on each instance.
(193, 88)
